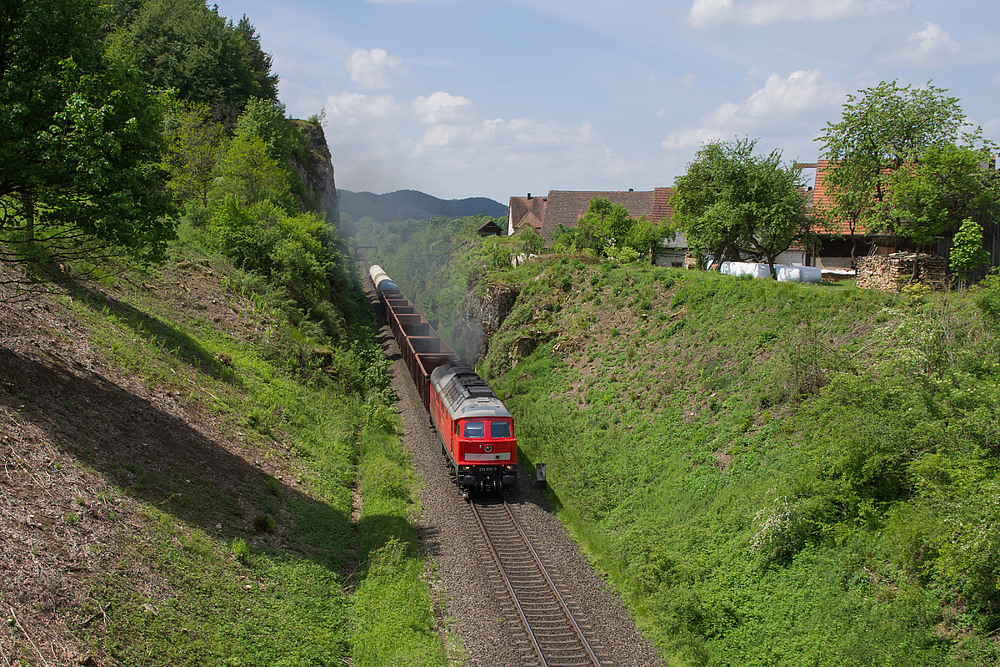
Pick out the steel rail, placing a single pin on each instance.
(548, 580)
(552, 587)
(510, 587)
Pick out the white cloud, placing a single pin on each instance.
(373, 69)
(442, 107)
(801, 91)
(441, 143)
(708, 13)
(800, 98)
(354, 110)
(991, 128)
(928, 47)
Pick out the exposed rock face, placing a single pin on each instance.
(316, 172)
(482, 317)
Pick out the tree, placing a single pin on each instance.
(947, 185)
(266, 119)
(883, 129)
(607, 229)
(195, 143)
(531, 241)
(295, 251)
(248, 173)
(731, 203)
(185, 46)
(968, 253)
(258, 61)
(80, 141)
(121, 13)
(648, 236)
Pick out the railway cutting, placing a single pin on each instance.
(522, 595)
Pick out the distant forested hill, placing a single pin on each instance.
(413, 205)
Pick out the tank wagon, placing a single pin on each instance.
(475, 428)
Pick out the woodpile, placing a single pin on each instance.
(890, 273)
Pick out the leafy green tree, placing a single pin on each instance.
(967, 252)
(258, 61)
(731, 203)
(195, 143)
(184, 45)
(531, 241)
(607, 229)
(647, 236)
(266, 119)
(296, 251)
(249, 173)
(495, 253)
(882, 129)
(121, 13)
(604, 224)
(945, 186)
(80, 140)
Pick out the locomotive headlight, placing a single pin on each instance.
(510, 467)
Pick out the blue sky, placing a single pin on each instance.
(461, 98)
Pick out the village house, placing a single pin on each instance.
(839, 243)
(566, 207)
(490, 229)
(835, 253)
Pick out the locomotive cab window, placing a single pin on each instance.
(499, 429)
(475, 429)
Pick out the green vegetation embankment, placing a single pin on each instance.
(220, 485)
(770, 474)
(196, 422)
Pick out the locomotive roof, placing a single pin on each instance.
(464, 393)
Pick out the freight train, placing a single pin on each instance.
(475, 428)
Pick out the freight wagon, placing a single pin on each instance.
(475, 428)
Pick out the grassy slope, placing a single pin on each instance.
(229, 532)
(772, 474)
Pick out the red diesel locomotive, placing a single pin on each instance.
(474, 426)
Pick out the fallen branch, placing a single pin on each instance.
(30, 641)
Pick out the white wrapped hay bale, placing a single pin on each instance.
(799, 274)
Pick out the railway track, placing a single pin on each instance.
(554, 634)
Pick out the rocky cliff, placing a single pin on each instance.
(483, 313)
(315, 169)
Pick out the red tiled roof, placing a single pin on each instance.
(532, 220)
(822, 200)
(661, 204)
(526, 210)
(566, 207)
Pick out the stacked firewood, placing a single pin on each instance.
(890, 273)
